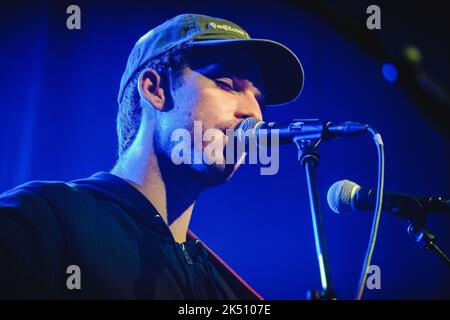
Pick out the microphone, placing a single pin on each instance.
(303, 129)
(346, 196)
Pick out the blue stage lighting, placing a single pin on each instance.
(389, 72)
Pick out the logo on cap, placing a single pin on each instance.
(227, 28)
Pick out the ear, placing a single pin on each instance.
(149, 86)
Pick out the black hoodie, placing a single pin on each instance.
(115, 238)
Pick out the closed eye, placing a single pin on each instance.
(227, 84)
(224, 84)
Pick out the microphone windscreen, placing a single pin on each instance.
(340, 196)
(245, 130)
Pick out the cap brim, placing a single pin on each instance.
(281, 70)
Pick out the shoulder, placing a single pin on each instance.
(33, 198)
(31, 238)
(41, 196)
(36, 215)
(33, 206)
(34, 192)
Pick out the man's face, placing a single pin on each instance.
(213, 96)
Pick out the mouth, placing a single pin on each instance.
(233, 151)
(231, 127)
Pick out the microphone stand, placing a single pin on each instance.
(309, 159)
(424, 239)
(414, 214)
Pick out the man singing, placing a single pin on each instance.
(124, 234)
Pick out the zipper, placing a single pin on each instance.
(186, 255)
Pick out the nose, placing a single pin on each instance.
(248, 106)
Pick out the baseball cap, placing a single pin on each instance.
(281, 70)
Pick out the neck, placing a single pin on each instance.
(170, 190)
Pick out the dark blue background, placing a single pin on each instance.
(58, 106)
